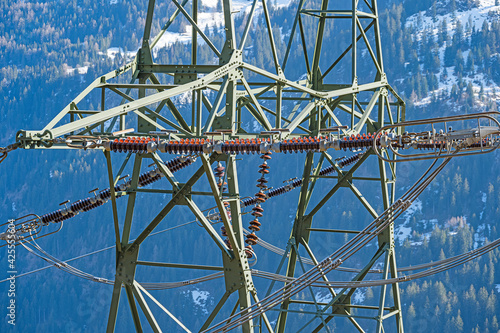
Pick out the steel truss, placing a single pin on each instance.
(223, 97)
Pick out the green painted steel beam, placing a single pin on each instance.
(131, 201)
(182, 194)
(176, 265)
(145, 309)
(113, 201)
(215, 311)
(133, 308)
(138, 288)
(113, 310)
(235, 96)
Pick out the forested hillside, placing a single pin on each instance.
(442, 56)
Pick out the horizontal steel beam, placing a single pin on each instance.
(175, 265)
(178, 69)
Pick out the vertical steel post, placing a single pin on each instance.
(243, 277)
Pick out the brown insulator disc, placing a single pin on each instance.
(119, 146)
(260, 195)
(134, 145)
(301, 145)
(226, 205)
(220, 168)
(257, 214)
(221, 184)
(248, 251)
(266, 156)
(255, 222)
(251, 239)
(223, 231)
(254, 225)
(261, 186)
(228, 243)
(258, 209)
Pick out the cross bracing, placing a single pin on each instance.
(207, 106)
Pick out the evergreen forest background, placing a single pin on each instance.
(437, 56)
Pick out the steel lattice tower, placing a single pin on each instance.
(243, 91)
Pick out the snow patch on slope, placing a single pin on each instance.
(483, 199)
(480, 234)
(210, 19)
(320, 298)
(359, 297)
(485, 9)
(199, 298)
(403, 231)
(423, 23)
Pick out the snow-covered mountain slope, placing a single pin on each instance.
(431, 23)
(210, 16)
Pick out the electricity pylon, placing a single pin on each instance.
(223, 97)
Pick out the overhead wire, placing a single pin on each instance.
(172, 164)
(338, 257)
(297, 284)
(77, 272)
(261, 242)
(5, 150)
(308, 261)
(343, 162)
(95, 252)
(149, 177)
(438, 267)
(32, 227)
(432, 269)
(310, 278)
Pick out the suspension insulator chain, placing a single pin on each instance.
(223, 228)
(103, 196)
(263, 146)
(239, 146)
(298, 182)
(219, 173)
(258, 211)
(5, 150)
